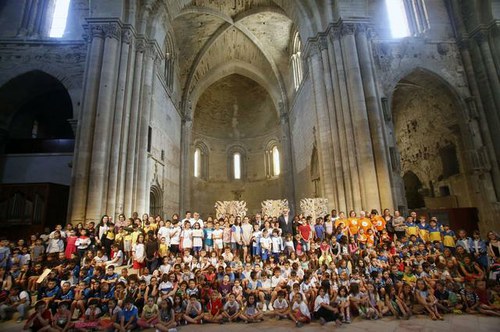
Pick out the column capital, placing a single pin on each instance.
(127, 36)
(348, 29)
(323, 42)
(112, 30)
(480, 36)
(463, 44)
(140, 44)
(335, 33)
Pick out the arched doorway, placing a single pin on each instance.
(428, 129)
(156, 201)
(36, 151)
(413, 186)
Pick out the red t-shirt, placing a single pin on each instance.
(37, 325)
(215, 306)
(305, 231)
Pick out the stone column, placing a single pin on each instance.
(369, 187)
(287, 164)
(145, 114)
(185, 177)
(82, 156)
(482, 41)
(344, 125)
(99, 167)
(375, 120)
(323, 121)
(486, 121)
(120, 125)
(129, 203)
(338, 182)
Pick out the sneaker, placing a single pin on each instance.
(172, 330)
(264, 307)
(201, 321)
(19, 320)
(299, 324)
(322, 321)
(157, 330)
(347, 321)
(270, 307)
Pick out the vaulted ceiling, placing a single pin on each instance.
(217, 38)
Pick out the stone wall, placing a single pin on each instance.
(254, 187)
(164, 162)
(302, 123)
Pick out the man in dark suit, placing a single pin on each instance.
(286, 222)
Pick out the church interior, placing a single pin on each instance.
(162, 106)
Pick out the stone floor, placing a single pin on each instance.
(455, 323)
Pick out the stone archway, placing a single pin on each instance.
(156, 201)
(430, 140)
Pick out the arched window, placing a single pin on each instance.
(200, 161)
(407, 17)
(197, 162)
(272, 160)
(236, 166)
(169, 61)
(276, 161)
(296, 61)
(59, 18)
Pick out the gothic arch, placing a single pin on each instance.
(156, 200)
(38, 88)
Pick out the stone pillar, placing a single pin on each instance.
(142, 154)
(375, 119)
(120, 126)
(99, 167)
(369, 187)
(491, 71)
(338, 182)
(185, 180)
(85, 134)
(323, 121)
(486, 121)
(287, 159)
(344, 125)
(129, 202)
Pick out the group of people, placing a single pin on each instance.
(153, 273)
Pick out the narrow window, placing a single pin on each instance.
(59, 18)
(296, 61)
(150, 138)
(197, 163)
(276, 161)
(398, 20)
(237, 165)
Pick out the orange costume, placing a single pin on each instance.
(353, 224)
(378, 222)
(365, 223)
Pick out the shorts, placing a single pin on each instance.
(218, 244)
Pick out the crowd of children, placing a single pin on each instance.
(140, 273)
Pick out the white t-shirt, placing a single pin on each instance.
(175, 235)
(197, 237)
(140, 252)
(317, 303)
(187, 238)
(164, 232)
(303, 308)
(280, 304)
(265, 243)
(246, 233)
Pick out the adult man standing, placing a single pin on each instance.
(286, 222)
